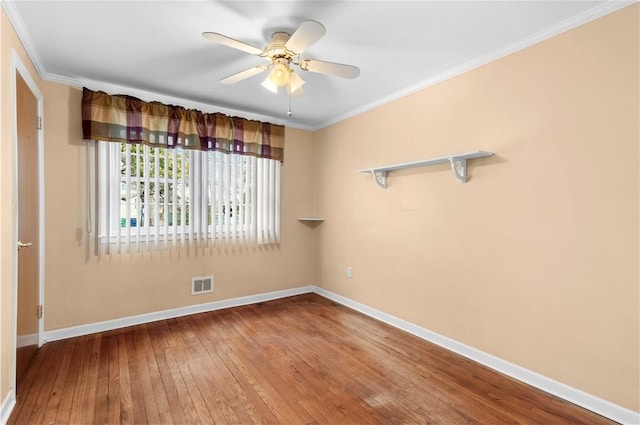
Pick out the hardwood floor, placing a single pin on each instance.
(298, 360)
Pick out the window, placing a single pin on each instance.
(164, 176)
(155, 196)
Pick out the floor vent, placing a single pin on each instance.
(201, 285)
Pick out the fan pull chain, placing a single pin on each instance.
(289, 113)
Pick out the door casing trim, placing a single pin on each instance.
(18, 67)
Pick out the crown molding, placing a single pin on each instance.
(563, 26)
(20, 28)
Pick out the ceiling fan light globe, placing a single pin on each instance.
(296, 93)
(279, 75)
(269, 85)
(295, 82)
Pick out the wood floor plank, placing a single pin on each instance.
(69, 387)
(158, 393)
(102, 387)
(84, 397)
(297, 360)
(137, 345)
(159, 349)
(53, 403)
(222, 396)
(184, 359)
(130, 379)
(33, 409)
(259, 348)
(216, 343)
(114, 400)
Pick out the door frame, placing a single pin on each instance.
(18, 67)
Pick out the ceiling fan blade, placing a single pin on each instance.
(330, 68)
(231, 42)
(243, 75)
(307, 33)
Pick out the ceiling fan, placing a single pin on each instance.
(282, 52)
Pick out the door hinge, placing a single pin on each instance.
(40, 311)
(39, 123)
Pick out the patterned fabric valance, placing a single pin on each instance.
(120, 118)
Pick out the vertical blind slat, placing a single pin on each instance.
(272, 195)
(183, 210)
(115, 200)
(138, 181)
(156, 196)
(192, 198)
(233, 207)
(174, 198)
(276, 207)
(212, 200)
(254, 200)
(145, 208)
(219, 194)
(241, 193)
(103, 206)
(204, 189)
(127, 194)
(166, 198)
(227, 197)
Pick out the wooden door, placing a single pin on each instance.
(28, 312)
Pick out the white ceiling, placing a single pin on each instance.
(154, 50)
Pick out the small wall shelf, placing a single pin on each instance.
(458, 166)
(310, 218)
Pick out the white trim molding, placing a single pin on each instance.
(24, 36)
(27, 340)
(108, 325)
(7, 406)
(570, 394)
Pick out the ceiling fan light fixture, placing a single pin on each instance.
(297, 94)
(280, 74)
(295, 82)
(269, 85)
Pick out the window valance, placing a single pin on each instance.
(121, 118)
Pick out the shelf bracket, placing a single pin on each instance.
(380, 176)
(459, 168)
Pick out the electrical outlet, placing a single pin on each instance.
(349, 273)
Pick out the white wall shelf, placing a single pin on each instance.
(310, 218)
(458, 166)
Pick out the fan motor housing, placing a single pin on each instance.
(275, 48)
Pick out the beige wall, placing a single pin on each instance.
(8, 41)
(534, 260)
(82, 290)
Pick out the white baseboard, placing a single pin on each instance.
(7, 406)
(108, 325)
(26, 340)
(570, 394)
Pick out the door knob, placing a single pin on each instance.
(24, 245)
